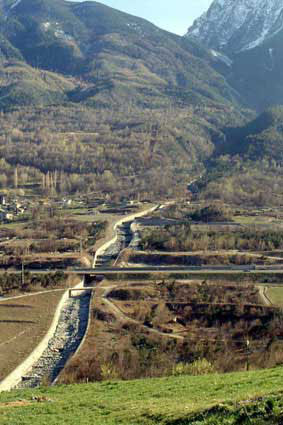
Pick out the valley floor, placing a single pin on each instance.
(153, 317)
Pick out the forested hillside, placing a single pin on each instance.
(246, 165)
(262, 138)
(126, 152)
(95, 100)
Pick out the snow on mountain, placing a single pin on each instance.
(221, 57)
(17, 2)
(7, 6)
(236, 25)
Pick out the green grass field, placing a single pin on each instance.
(215, 399)
(275, 295)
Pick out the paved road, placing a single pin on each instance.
(180, 269)
(160, 269)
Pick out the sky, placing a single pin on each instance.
(172, 15)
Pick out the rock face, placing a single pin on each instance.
(245, 37)
(232, 26)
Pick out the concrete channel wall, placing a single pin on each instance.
(15, 377)
(123, 220)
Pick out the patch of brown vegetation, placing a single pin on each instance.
(196, 259)
(145, 329)
(23, 403)
(18, 403)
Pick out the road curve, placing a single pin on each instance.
(263, 295)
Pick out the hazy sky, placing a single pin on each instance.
(172, 15)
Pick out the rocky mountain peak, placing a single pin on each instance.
(232, 26)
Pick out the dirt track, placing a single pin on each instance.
(121, 316)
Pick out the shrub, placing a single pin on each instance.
(198, 367)
(108, 372)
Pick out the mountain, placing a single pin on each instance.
(234, 26)
(246, 165)
(245, 37)
(94, 99)
(260, 139)
(93, 54)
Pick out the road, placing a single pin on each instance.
(263, 296)
(180, 269)
(159, 269)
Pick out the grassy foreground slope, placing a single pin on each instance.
(215, 399)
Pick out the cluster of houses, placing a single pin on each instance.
(11, 208)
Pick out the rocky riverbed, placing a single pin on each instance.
(69, 333)
(124, 238)
(73, 322)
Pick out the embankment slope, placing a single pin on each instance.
(253, 397)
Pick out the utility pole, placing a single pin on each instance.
(81, 246)
(248, 355)
(16, 177)
(23, 274)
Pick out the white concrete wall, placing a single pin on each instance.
(123, 220)
(15, 377)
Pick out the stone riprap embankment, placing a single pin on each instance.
(61, 340)
(123, 236)
(70, 321)
(65, 341)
